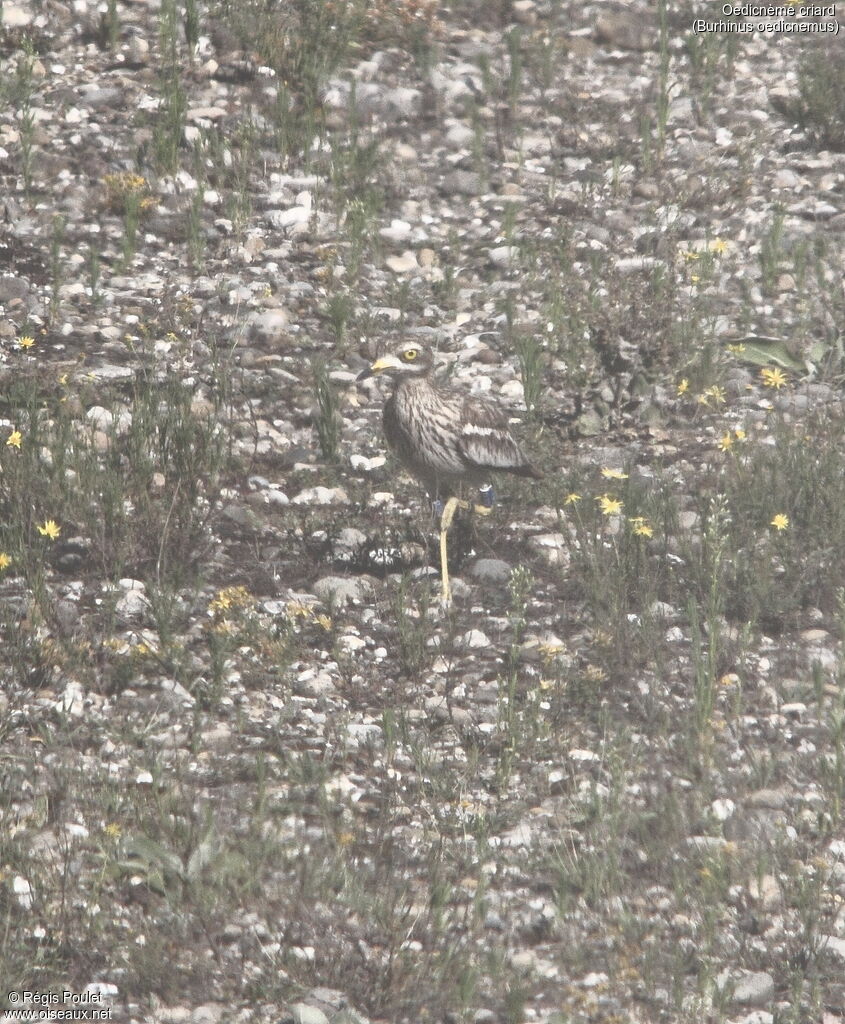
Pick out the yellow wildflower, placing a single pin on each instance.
(737, 350)
(640, 527)
(232, 597)
(773, 377)
(5, 561)
(690, 255)
(683, 387)
(613, 474)
(14, 439)
(726, 442)
(549, 650)
(50, 529)
(572, 498)
(297, 610)
(609, 506)
(780, 521)
(26, 341)
(113, 830)
(714, 394)
(719, 246)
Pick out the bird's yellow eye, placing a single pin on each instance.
(410, 354)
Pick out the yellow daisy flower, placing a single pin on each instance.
(14, 439)
(50, 529)
(780, 521)
(640, 527)
(773, 377)
(610, 506)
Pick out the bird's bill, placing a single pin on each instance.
(379, 366)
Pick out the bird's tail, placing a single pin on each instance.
(529, 471)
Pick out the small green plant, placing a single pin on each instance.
(412, 622)
(129, 195)
(192, 25)
(196, 237)
(328, 420)
(530, 356)
(711, 56)
(513, 42)
(239, 151)
(340, 306)
(22, 96)
(771, 250)
(663, 76)
(93, 264)
(169, 124)
(57, 269)
(820, 107)
(110, 26)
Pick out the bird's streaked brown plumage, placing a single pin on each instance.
(443, 436)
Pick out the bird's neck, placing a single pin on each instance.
(413, 384)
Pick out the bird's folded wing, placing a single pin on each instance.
(485, 440)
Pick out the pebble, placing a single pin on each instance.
(747, 988)
(503, 255)
(490, 570)
(404, 264)
(552, 548)
(475, 639)
(321, 496)
(304, 1014)
(364, 734)
(269, 326)
(341, 590)
(133, 604)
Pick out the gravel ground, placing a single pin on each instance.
(251, 769)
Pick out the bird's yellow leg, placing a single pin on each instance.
(445, 523)
(449, 509)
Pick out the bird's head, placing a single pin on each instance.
(409, 360)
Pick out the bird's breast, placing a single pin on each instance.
(424, 430)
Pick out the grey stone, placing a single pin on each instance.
(269, 326)
(503, 255)
(490, 570)
(134, 603)
(461, 183)
(339, 590)
(302, 1013)
(747, 988)
(321, 496)
(12, 288)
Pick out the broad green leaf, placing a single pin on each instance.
(760, 351)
